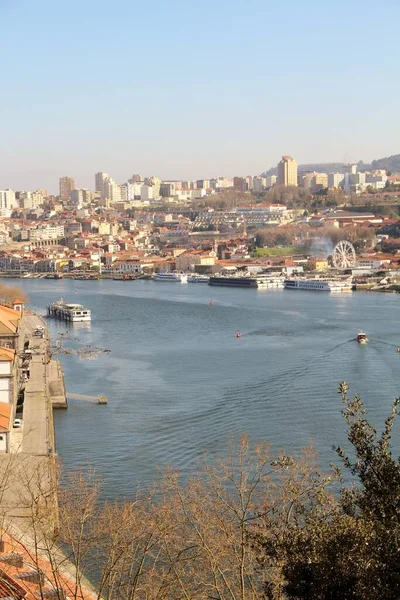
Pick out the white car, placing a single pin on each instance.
(17, 423)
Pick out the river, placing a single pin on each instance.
(179, 382)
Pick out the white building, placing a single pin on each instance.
(44, 233)
(376, 181)
(7, 202)
(335, 180)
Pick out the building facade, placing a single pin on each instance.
(67, 184)
(287, 171)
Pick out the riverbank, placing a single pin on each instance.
(30, 466)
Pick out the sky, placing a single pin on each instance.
(192, 90)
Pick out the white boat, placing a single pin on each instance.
(362, 338)
(171, 276)
(269, 282)
(318, 285)
(195, 278)
(75, 313)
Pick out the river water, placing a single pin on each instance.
(179, 382)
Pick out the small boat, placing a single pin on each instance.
(362, 338)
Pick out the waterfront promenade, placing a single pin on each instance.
(28, 479)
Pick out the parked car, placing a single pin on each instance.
(17, 423)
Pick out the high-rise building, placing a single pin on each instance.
(287, 171)
(67, 184)
(99, 180)
(7, 200)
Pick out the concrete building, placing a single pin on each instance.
(203, 184)
(136, 179)
(77, 197)
(48, 232)
(147, 192)
(167, 189)
(270, 180)
(7, 201)
(155, 183)
(28, 200)
(67, 184)
(287, 171)
(259, 184)
(99, 181)
(376, 181)
(335, 180)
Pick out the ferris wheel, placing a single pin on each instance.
(344, 255)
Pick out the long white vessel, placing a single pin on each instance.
(195, 278)
(177, 277)
(74, 313)
(318, 285)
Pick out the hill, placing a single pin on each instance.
(390, 163)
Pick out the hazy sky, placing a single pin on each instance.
(192, 89)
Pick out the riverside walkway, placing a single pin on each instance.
(28, 481)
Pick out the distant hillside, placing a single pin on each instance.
(390, 163)
(319, 167)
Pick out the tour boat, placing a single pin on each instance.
(362, 338)
(171, 276)
(74, 313)
(317, 285)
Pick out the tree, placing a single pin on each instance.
(346, 546)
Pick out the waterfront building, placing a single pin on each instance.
(287, 171)
(9, 327)
(67, 184)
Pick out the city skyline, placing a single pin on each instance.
(192, 91)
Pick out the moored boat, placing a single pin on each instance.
(170, 276)
(196, 278)
(72, 312)
(318, 285)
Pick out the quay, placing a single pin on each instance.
(28, 459)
